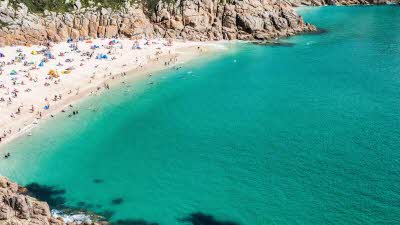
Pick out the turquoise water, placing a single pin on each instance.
(308, 134)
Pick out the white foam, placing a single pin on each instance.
(79, 218)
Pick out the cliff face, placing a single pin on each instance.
(19, 209)
(197, 20)
(241, 19)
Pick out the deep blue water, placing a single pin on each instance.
(308, 134)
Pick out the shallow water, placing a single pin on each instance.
(307, 134)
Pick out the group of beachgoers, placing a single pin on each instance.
(34, 78)
(37, 82)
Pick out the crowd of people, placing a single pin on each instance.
(34, 79)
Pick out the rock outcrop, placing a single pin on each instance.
(241, 19)
(17, 208)
(197, 20)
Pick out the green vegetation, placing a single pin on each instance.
(114, 4)
(39, 6)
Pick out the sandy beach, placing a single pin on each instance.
(37, 82)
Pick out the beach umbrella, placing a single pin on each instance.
(13, 72)
(34, 52)
(51, 73)
(41, 64)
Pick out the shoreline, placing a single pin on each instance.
(180, 54)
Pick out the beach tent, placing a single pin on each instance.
(34, 52)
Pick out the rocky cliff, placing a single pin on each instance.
(17, 208)
(197, 20)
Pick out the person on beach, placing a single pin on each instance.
(29, 68)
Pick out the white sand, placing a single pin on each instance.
(90, 75)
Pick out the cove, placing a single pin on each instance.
(305, 133)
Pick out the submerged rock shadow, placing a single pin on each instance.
(98, 181)
(273, 43)
(117, 201)
(199, 218)
(50, 194)
(319, 31)
(133, 222)
(55, 198)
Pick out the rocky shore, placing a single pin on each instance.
(196, 20)
(17, 208)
